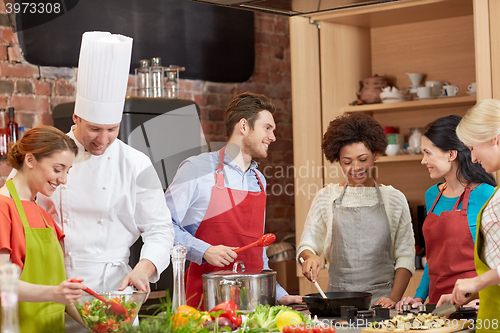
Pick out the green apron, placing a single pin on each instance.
(489, 305)
(43, 265)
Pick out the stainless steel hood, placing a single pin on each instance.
(292, 7)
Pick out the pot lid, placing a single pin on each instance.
(239, 273)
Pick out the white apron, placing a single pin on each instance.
(361, 256)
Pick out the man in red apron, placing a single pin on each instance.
(218, 200)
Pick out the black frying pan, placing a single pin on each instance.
(330, 306)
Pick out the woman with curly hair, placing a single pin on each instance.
(364, 229)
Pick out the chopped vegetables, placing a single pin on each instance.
(422, 321)
(100, 319)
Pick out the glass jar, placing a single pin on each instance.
(157, 76)
(143, 77)
(9, 280)
(172, 84)
(414, 140)
(178, 253)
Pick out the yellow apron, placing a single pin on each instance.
(488, 317)
(43, 265)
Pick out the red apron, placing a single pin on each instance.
(449, 247)
(233, 218)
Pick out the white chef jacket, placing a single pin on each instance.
(107, 203)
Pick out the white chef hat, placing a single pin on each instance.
(103, 70)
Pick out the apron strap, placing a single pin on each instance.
(19, 205)
(13, 193)
(437, 198)
(377, 189)
(465, 197)
(219, 173)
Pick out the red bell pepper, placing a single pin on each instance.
(230, 311)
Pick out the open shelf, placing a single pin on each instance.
(400, 158)
(413, 105)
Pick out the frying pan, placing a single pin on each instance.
(330, 306)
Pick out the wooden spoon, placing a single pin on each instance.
(264, 240)
(113, 306)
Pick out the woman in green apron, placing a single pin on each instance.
(29, 236)
(363, 228)
(480, 131)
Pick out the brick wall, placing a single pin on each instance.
(34, 91)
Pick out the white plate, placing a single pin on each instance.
(447, 96)
(471, 93)
(393, 100)
(418, 98)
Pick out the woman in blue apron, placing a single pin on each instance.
(363, 228)
(479, 130)
(452, 208)
(29, 236)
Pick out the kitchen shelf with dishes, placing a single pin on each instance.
(414, 104)
(400, 158)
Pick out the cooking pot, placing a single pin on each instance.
(330, 306)
(246, 288)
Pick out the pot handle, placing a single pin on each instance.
(236, 283)
(235, 267)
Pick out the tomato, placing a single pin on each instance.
(300, 328)
(317, 329)
(329, 329)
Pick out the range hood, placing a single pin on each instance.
(292, 7)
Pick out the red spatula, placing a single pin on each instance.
(113, 306)
(264, 240)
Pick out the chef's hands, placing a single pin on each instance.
(68, 291)
(464, 291)
(139, 277)
(311, 267)
(220, 255)
(414, 302)
(290, 299)
(385, 302)
(443, 299)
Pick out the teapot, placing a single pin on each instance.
(371, 87)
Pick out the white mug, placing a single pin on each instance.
(424, 92)
(436, 87)
(472, 87)
(450, 90)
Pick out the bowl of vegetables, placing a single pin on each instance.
(99, 317)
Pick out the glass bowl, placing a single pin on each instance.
(99, 318)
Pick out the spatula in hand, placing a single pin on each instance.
(113, 306)
(315, 283)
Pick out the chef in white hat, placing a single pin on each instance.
(113, 194)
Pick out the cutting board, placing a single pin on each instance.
(460, 324)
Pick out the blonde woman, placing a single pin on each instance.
(480, 131)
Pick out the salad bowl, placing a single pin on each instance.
(97, 315)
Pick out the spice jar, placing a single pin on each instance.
(414, 140)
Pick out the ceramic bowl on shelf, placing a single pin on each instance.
(393, 96)
(392, 149)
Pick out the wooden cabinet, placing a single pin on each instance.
(457, 41)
